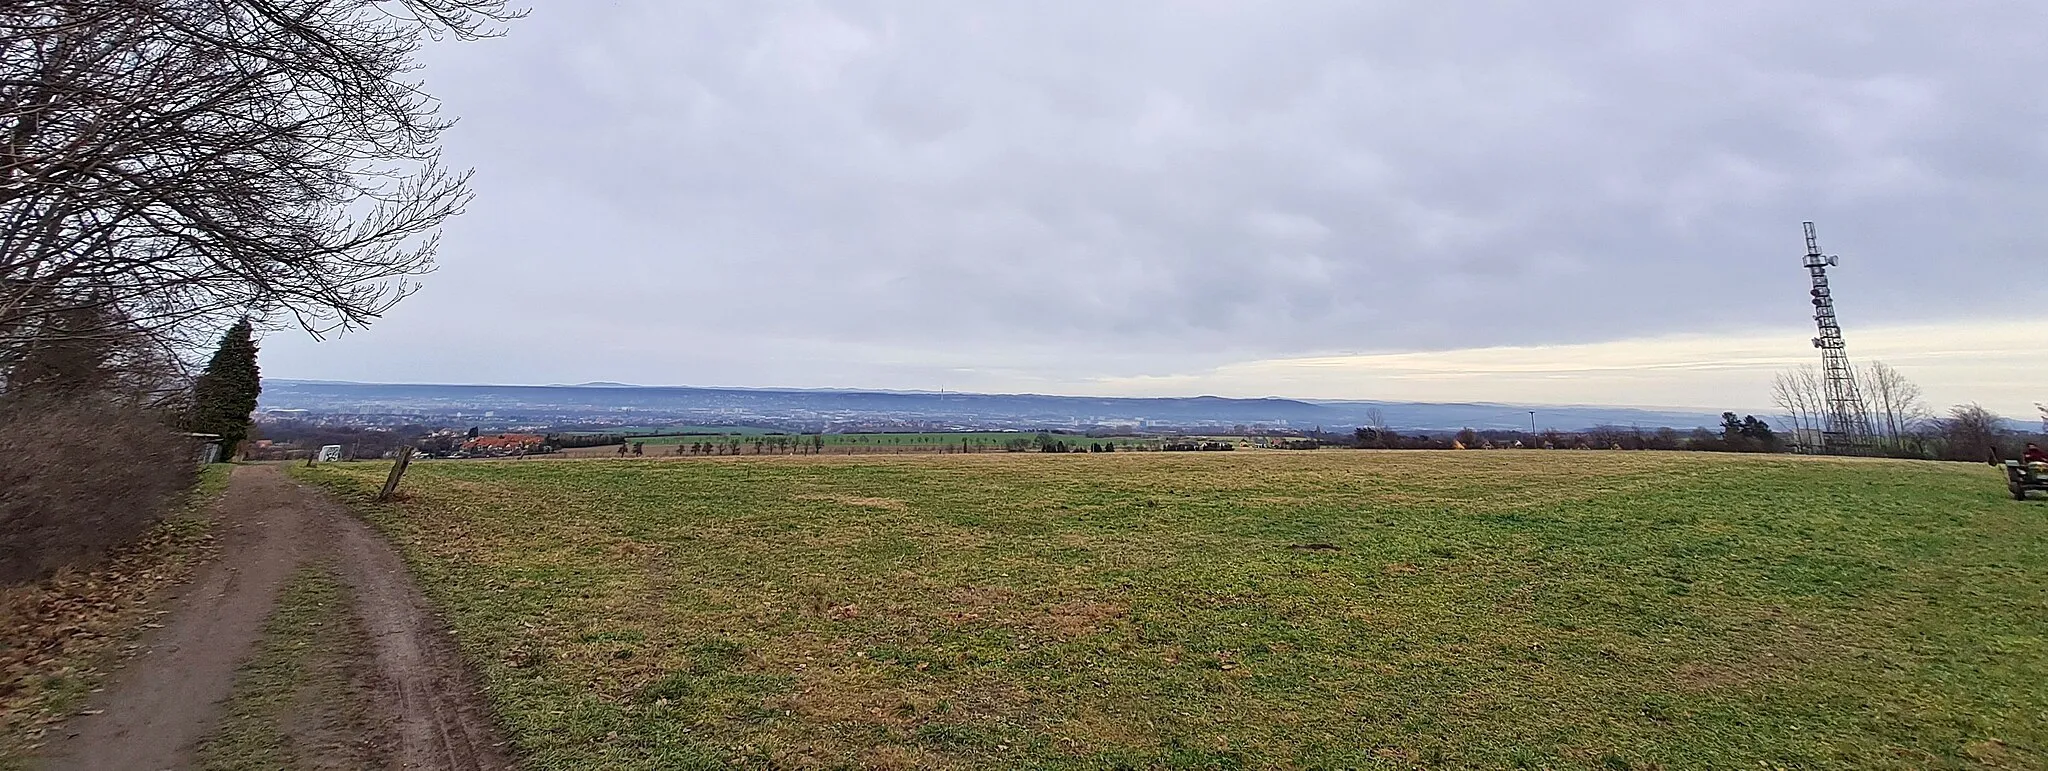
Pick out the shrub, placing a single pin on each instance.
(81, 477)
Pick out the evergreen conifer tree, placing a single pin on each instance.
(225, 396)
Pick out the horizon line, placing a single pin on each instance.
(598, 384)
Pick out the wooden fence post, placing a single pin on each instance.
(397, 472)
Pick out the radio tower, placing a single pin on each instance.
(1846, 426)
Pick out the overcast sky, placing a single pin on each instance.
(1560, 201)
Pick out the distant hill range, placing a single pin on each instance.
(616, 404)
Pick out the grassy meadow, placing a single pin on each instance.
(1248, 609)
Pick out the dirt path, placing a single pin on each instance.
(440, 722)
(157, 710)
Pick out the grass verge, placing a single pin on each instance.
(299, 702)
(1329, 609)
(58, 636)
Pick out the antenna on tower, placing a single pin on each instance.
(1846, 426)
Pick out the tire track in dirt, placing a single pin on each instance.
(155, 711)
(440, 722)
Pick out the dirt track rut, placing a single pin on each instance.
(157, 710)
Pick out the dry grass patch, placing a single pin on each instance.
(856, 500)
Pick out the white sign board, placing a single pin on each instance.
(330, 453)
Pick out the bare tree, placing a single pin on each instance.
(107, 360)
(1895, 402)
(1797, 392)
(1376, 419)
(173, 160)
(1970, 432)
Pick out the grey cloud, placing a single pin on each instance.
(881, 193)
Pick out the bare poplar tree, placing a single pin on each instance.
(1895, 402)
(1798, 392)
(165, 161)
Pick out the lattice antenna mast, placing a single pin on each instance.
(1846, 427)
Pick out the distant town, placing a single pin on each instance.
(369, 420)
(539, 409)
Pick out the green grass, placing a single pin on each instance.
(213, 480)
(1504, 609)
(297, 703)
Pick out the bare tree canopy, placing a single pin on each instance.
(1797, 392)
(177, 159)
(92, 354)
(1895, 405)
(1970, 432)
(1892, 404)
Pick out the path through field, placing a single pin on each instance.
(156, 712)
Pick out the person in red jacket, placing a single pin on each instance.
(2034, 454)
